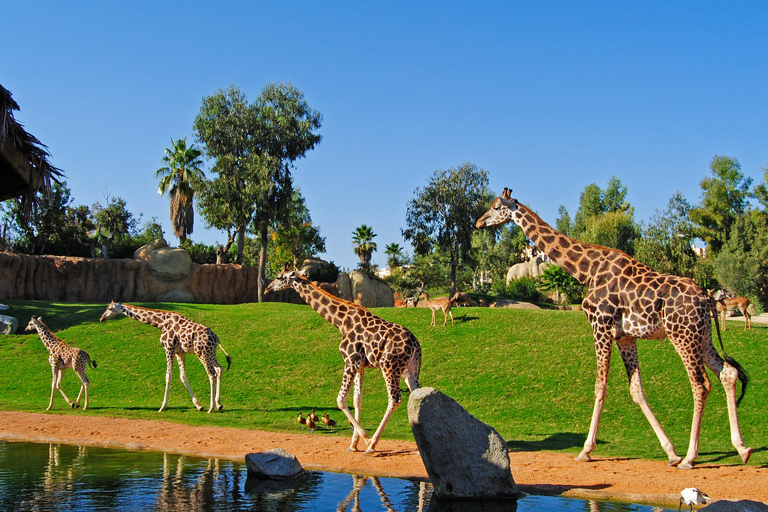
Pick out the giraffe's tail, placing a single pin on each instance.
(229, 359)
(93, 363)
(742, 373)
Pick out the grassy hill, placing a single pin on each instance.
(528, 373)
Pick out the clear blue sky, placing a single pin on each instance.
(548, 97)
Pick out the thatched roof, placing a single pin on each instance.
(24, 165)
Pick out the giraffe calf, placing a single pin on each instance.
(61, 356)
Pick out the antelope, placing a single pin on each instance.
(462, 299)
(724, 305)
(442, 303)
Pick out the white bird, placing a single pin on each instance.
(692, 496)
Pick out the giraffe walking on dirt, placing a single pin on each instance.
(369, 342)
(627, 301)
(61, 356)
(180, 336)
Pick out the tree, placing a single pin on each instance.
(556, 279)
(296, 238)
(724, 198)
(113, 222)
(180, 178)
(443, 213)
(394, 252)
(364, 246)
(254, 146)
(666, 243)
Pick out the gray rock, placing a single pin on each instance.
(175, 296)
(737, 506)
(464, 457)
(8, 324)
(142, 252)
(531, 268)
(169, 265)
(274, 464)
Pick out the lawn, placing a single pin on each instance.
(528, 373)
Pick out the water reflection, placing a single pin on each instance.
(43, 477)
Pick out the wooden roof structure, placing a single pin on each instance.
(24, 165)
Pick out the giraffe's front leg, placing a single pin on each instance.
(61, 390)
(181, 360)
(168, 376)
(352, 372)
(54, 376)
(393, 390)
(628, 351)
(603, 351)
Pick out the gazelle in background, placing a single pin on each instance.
(724, 305)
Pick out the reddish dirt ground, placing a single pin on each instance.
(633, 480)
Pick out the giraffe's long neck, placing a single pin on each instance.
(148, 316)
(333, 309)
(575, 257)
(47, 337)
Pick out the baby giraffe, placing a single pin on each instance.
(61, 356)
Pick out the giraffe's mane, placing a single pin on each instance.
(148, 309)
(329, 294)
(592, 246)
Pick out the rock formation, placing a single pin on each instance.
(464, 457)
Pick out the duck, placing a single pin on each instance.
(313, 416)
(302, 421)
(328, 421)
(310, 425)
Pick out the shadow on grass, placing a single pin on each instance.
(56, 316)
(559, 441)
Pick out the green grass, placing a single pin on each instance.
(528, 373)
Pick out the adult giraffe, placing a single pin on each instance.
(369, 342)
(626, 300)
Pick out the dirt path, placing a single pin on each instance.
(632, 480)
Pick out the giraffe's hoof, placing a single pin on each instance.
(685, 465)
(200, 408)
(745, 455)
(674, 461)
(370, 451)
(73, 405)
(583, 457)
(220, 408)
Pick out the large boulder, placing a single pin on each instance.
(464, 457)
(8, 324)
(357, 287)
(531, 268)
(276, 464)
(165, 263)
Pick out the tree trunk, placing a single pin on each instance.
(240, 245)
(263, 259)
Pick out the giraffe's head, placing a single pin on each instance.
(283, 280)
(114, 309)
(33, 322)
(500, 212)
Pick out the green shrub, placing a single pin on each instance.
(524, 289)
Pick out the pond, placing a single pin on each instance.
(39, 477)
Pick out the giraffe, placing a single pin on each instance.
(61, 356)
(627, 301)
(180, 336)
(368, 342)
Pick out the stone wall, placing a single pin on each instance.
(158, 273)
(69, 279)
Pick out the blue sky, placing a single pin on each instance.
(548, 97)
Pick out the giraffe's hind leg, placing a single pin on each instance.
(213, 369)
(628, 351)
(728, 376)
(61, 390)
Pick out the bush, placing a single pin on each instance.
(328, 273)
(524, 289)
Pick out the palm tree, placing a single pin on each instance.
(395, 253)
(181, 178)
(362, 238)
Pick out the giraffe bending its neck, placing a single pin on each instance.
(180, 336)
(61, 356)
(627, 301)
(369, 342)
